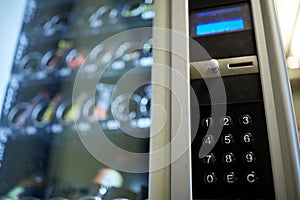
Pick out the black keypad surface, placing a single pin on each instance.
(239, 165)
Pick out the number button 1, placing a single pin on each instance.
(207, 122)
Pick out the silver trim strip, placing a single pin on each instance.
(200, 69)
(181, 181)
(287, 129)
(159, 179)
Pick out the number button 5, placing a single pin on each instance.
(227, 139)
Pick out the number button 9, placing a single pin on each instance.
(249, 157)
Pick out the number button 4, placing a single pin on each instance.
(209, 140)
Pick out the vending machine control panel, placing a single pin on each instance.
(237, 163)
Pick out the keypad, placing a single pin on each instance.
(238, 162)
(230, 158)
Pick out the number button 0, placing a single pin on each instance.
(228, 158)
(209, 159)
(226, 121)
(246, 120)
(207, 122)
(227, 139)
(247, 138)
(210, 178)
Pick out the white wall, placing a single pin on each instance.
(11, 16)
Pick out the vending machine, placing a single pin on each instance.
(238, 137)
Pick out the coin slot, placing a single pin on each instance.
(243, 64)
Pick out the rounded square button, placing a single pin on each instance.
(230, 178)
(249, 157)
(226, 121)
(246, 120)
(229, 158)
(207, 122)
(209, 159)
(209, 140)
(227, 139)
(247, 138)
(251, 177)
(210, 178)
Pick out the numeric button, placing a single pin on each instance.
(228, 158)
(246, 120)
(209, 159)
(226, 121)
(207, 122)
(210, 178)
(249, 157)
(247, 138)
(227, 139)
(209, 140)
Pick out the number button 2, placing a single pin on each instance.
(226, 121)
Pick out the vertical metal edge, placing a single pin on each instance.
(278, 104)
(159, 178)
(181, 186)
(283, 100)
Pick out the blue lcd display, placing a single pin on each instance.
(220, 27)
